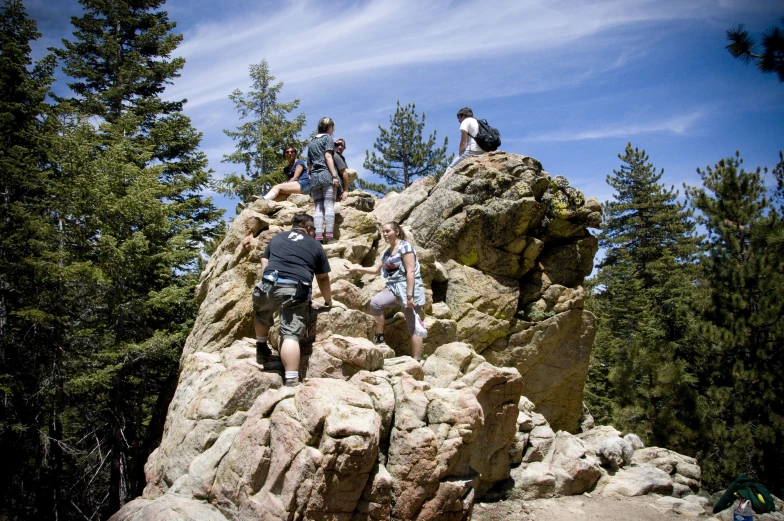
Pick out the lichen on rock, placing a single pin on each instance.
(372, 434)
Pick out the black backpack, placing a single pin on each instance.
(488, 138)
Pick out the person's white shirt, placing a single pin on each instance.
(471, 127)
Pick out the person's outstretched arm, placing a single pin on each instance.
(356, 268)
(325, 287)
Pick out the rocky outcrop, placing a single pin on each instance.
(368, 438)
(371, 433)
(549, 463)
(514, 246)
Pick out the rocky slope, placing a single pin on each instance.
(371, 433)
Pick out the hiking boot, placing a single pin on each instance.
(379, 339)
(291, 382)
(264, 353)
(266, 188)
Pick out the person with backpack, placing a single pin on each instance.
(469, 127)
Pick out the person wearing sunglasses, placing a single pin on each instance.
(297, 175)
(341, 167)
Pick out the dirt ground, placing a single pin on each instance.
(578, 508)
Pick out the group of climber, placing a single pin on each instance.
(324, 178)
(290, 261)
(292, 258)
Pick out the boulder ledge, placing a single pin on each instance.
(371, 433)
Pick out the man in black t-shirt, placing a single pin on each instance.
(288, 265)
(340, 165)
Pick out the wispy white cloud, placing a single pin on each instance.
(678, 125)
(308, 42)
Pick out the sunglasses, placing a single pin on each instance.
(340, 145)
(289, 152)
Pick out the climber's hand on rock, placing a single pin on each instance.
(247, 241)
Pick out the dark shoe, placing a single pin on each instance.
(263, 353)
(379, 339)
(266, 188)
(291, 382)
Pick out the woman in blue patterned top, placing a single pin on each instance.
(297, 175)
(404, 287)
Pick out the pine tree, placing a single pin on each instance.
(120, 59)
(743, 326)
(131, 221)
(26, 352)
(776, 236)
(770, 60)
(262, 139)
(404, 155)
(642, 350)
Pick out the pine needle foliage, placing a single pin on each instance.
(263, 137)
(770, 60)
(26, 352)
(743, 325)
(103, 226)
(376, 188)
(640, 377)
(404, 155)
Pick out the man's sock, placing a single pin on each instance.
(292, 375)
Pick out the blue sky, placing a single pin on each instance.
(567, 82)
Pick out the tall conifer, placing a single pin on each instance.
(28, 484)
(132, 221)
(263, 137)
(743, 317)
(642, 351)
(404, 154)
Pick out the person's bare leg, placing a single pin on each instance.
(416, 347)
(379, 324)
(282, 191)
(289, 354)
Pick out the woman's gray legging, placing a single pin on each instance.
(386, 299)
(324, 201)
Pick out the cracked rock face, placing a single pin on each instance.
(372, 433)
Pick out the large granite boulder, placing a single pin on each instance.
(372, 433)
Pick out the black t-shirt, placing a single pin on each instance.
(340, 164)
(296, 255)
